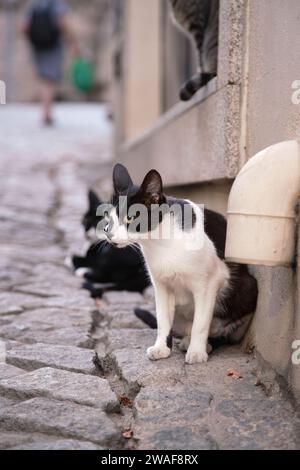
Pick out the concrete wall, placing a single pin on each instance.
(199, 141)
(275, 316)
(213, 195)
(274, 57)
(142, 93)
(273, 64)
(194, 142)
(294, 373)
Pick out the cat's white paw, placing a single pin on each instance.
(158, 352)
(195, 356)
(80, 272)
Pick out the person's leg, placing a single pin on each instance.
(48, 90)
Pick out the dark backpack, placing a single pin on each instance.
(44, 32)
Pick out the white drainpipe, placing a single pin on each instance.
(262, 207)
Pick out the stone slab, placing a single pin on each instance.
(35, 356)
(61, 385)
(61, 419)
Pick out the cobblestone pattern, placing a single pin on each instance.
(52, 395)
(179, 406)
(73, 373)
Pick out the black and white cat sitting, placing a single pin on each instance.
(106, 264)
(197, 293)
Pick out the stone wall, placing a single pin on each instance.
(91, 24)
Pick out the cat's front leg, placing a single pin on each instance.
(165, 306)
(204, 299)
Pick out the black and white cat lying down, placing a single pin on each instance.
(197, 294)
(106, 264)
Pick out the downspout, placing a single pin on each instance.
(262, 208)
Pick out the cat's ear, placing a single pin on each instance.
(94, 200)
(121, 179)
(152, 188)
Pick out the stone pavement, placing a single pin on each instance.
(73, 372)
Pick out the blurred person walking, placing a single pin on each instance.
(47, 27)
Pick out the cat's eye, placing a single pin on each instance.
(128, 220)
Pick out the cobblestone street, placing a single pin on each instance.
(73, 372)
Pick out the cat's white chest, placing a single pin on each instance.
(173, 269)
(169, 265)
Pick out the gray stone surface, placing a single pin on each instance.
(15, 255)
(60, 418)
(123, 298)
(5, 402)
(46, 319)
(255, 424)
(56, 289)
(13, 302)
(61, 385)
(179, 406)
(123, 317)
(60, 444)
(179, 438)
(12, 439)
(137, 369)
(68, 336)
(7, 371)
(173, 418)
(165, 406)
(49, 325)
(43, 235)
(18, 302)
(129, 339)
(35, 356)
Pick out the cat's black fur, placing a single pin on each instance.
(199, 18)
(121, 269)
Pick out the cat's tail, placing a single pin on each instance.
(147, 317)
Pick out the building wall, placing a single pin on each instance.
(142, 94)
(294, 372)
(196, 142)
(213, 195)
(274, 58)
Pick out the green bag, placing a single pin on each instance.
(83, 74)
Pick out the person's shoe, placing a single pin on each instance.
(48, 121)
